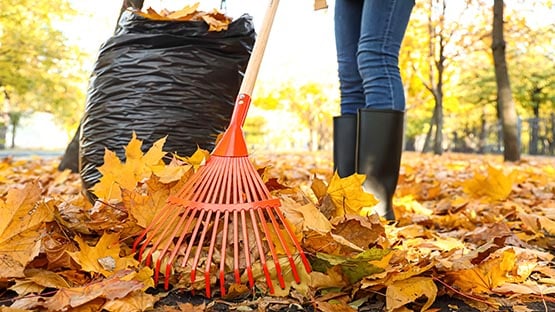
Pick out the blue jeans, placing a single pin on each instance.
(368, 38)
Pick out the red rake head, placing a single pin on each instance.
(224, 204)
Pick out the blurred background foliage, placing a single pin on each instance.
(446, 62)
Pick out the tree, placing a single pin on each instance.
(38, 70)
(438, 38)
(505, 103)
(313, 105)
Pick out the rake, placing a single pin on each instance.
(224, 202)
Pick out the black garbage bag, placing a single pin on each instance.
(162, 78)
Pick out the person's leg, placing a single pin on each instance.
(382, 30)
(347, 23)
(380, 123)
(347, 32)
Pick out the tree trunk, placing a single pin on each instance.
(426, 147)
(506, 105)
(438, 140)
(552, 142)
(15, 118)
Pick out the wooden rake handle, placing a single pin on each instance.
(253, 66)
(257, 53)
(233, 143)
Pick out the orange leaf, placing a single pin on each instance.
(112, 288)
(491, 273)
(495, 185)
(21, 217)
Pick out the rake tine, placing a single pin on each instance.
(284, 245)
(156, 223)
(194, 265)
(211, 253)
(164, 250)
(222, 256)
(193, 237)
(251, 180)
(246, 249)
(177, 246)
(157, 242)
(279, 273)
(294, 239)
(261, 252)
(236, 247)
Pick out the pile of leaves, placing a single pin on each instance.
(216, 20)
(469, 227)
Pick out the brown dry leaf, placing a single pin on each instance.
(528, 288)
(216, 21)
(184, 13)
(37, 280)
(364, 232)
(348, 196)
(136, 301)
(314, 219)
(496, 185)
(538, 224)
(20, 237)
(189, 307)
(334, 306)
(406, 291)
(104, 258)
(331, 279)
(110, 289)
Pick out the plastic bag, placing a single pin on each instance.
(162, 78)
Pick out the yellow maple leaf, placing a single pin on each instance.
(496, 185)
(104, 258)
(348, 196)
(22, 214)
(171, 172)
(198, 158)
(406, 291)
(118, 175)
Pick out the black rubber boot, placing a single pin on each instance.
(380, 143)
(344, 144)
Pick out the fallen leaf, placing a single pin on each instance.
(348, 196)
(110, 289)
(496, 185)
(493, 272)
(136, 168)
(406, 291)
(135, 301)
(104, 258)
(20, 238)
